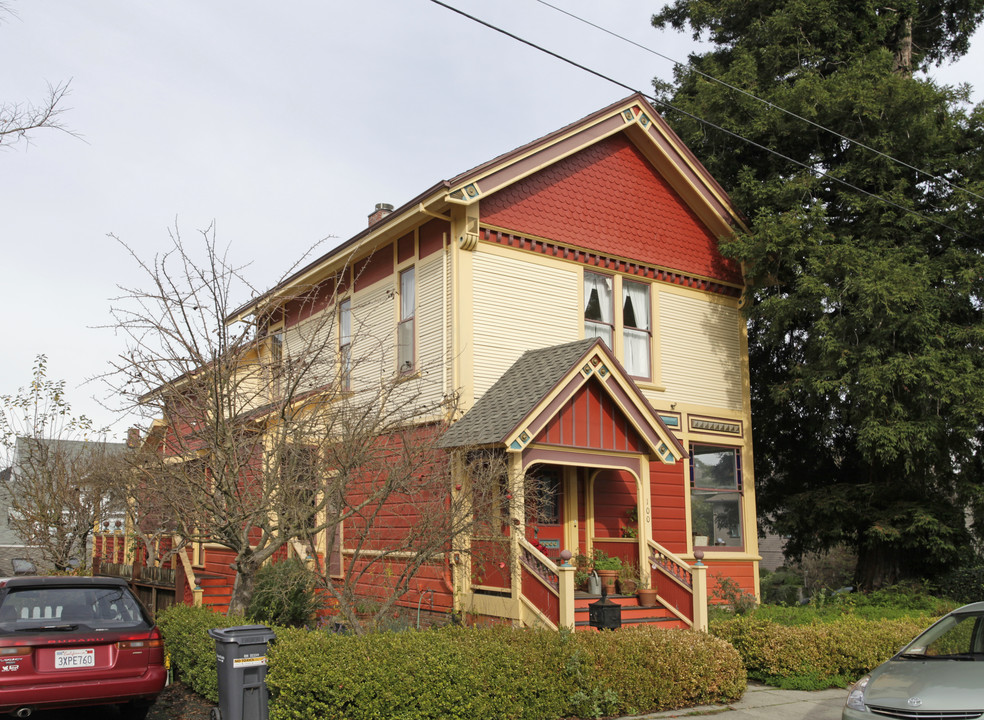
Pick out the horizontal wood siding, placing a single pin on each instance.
(614, 495)
(373, 336)
(313, 344)
(430, 316)
(668, 487)
(519, 306)
(741, 571)
(700, 343)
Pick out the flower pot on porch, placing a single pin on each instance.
(608, 578)
(647, 597)
(627, 586)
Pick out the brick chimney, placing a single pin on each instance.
(381, 211)
(133, 437)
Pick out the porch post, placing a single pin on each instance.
(699, 576)
(565, 574)
(517, 517)
(644, 509)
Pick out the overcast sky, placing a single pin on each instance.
(281, 122)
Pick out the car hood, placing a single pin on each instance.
(939, 684)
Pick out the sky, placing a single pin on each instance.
(281, 124)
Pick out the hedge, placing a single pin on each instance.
(818, 655)
(455, 672)
(191, 650)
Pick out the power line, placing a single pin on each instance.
(701, 120)
(765, 102)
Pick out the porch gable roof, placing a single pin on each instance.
(536, 389)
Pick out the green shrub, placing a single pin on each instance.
(500, 672)
(964, 584)
(285, 594)
(782, 587)
(818, 655)
(191, 650)
(887, 604)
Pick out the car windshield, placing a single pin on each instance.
(67, 608)
(956, 637)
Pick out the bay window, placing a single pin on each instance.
(715, 496)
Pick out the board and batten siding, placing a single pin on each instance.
(700, 344)
(519, 306)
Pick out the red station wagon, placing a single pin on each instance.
(70, 641)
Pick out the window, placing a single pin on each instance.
(636, 329)
(715, 496)
(345, 343)
(542, 496)
(405, 330)
(598, 315)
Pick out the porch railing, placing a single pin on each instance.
(545, 588)
(686, 595)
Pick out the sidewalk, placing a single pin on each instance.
(761, 702)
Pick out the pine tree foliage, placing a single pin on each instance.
(864, 304)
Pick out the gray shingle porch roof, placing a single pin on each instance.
(515, 394)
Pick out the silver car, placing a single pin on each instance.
(938, 675)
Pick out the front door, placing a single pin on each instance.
(545, 508)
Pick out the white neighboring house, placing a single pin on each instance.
(67, 453)
(11, 544)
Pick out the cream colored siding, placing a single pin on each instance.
(701, 351)
(373, 336)
(429, 316)
(519, 306)
(311, 348)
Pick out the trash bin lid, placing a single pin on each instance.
(243, 634)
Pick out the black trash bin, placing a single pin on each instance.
(241, 659)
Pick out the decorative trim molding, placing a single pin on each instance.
(606, 262)
(715, 426)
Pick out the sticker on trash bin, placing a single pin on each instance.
(249, 662)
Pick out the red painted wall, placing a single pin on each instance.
(591, 419)
(609, 198)
(668, 487)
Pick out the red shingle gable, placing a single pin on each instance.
(609, 198)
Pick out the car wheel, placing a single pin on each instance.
(135, 710)
(216, 714)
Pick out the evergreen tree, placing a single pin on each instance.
(865, 303)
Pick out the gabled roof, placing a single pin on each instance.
(633, 116)
(529, 394)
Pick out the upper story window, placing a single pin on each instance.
(715, 496)
(636, 329)
(345, 343)
(405, 329)
(598, 315)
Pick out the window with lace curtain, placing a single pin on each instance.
(598, 315)
(636, 329)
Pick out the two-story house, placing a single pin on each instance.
(572, 296)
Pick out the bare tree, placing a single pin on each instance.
(268, 438)
(63, 474)
(19, 119)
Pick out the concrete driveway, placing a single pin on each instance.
(762, 702)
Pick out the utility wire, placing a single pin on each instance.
(767, 103)
(701, 120)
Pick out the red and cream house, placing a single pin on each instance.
(571, 293)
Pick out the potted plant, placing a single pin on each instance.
(647, 596)
(628, 579)
(607, 568)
